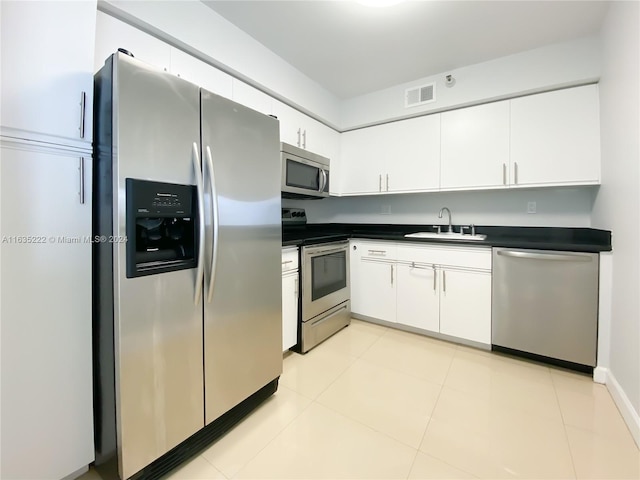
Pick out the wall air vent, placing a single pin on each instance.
(420, 95)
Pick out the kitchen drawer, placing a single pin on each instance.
(465, 257)
(373, 250)
(289, 259)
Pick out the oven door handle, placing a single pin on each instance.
(327, 252)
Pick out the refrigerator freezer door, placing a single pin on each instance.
(243, 315)
(158, 328)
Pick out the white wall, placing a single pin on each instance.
(553, 66)
(617, 204)
(559, 207)
(194, 27)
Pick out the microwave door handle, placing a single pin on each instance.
(216, 224)
(201, 226)
(323, 183)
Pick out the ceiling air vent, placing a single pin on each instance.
(420, 95)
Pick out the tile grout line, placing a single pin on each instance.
(564, 426)
(429, 423)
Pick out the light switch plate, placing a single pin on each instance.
(385, 210)
(531, 207)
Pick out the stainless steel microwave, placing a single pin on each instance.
(304, 174)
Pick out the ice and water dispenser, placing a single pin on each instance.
(161, 227)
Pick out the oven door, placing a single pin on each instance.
(325, 278)
(304, 177)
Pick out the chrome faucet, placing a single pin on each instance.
(449, 212)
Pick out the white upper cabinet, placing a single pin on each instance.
(302, 131)
(251, 97)
(555, 138)
(47, 63)
(202, 74)
(361, 163)
(475, 147)
(112, 34)
(396, 157)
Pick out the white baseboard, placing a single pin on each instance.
(630, 416)
(600, 375)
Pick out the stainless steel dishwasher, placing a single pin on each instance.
(546, 303)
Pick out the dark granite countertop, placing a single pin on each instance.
(539, 238)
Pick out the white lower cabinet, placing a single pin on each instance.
(442, 289)
(47, 404)
(465, 304)
(373, 279)
(418, 299)
(290, 296)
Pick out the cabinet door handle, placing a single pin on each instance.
(444, 281)
(82, 185)
(299, 137)
(391, 274)
(380, 182)
(515, 172)
(435, 273)
(377, 252)
(304, 139)
(387, 182)
(504, 173)
(83, 101)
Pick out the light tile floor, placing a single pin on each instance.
(373, 402)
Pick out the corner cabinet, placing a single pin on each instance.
(47, 405)
(396, 157)
(555, 138)
(47, 70)
(440, 289)
(373, 279)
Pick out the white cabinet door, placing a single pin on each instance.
(47, 65)
(395, 157)
(374, 294)
(251, 97)
(555, 137)
(418, 297)
(475, 147)
(112, 34)
(289, 310)
(361, 162)
(291, 122)
(321, 139)
(373, 279)
(302, 131)
(195, 71)
(47, 409)
(412, 154)
(465, 305)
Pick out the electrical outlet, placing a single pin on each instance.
(385, 210)
(531, 207)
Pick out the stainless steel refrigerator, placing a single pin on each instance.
(187, 245)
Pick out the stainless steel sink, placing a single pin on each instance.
(446, 236)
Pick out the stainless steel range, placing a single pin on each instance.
(324, 280)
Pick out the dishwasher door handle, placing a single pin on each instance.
(556, 257)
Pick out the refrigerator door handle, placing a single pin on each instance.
(215, 221)
(201, 240)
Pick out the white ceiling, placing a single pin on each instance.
(351, 49)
